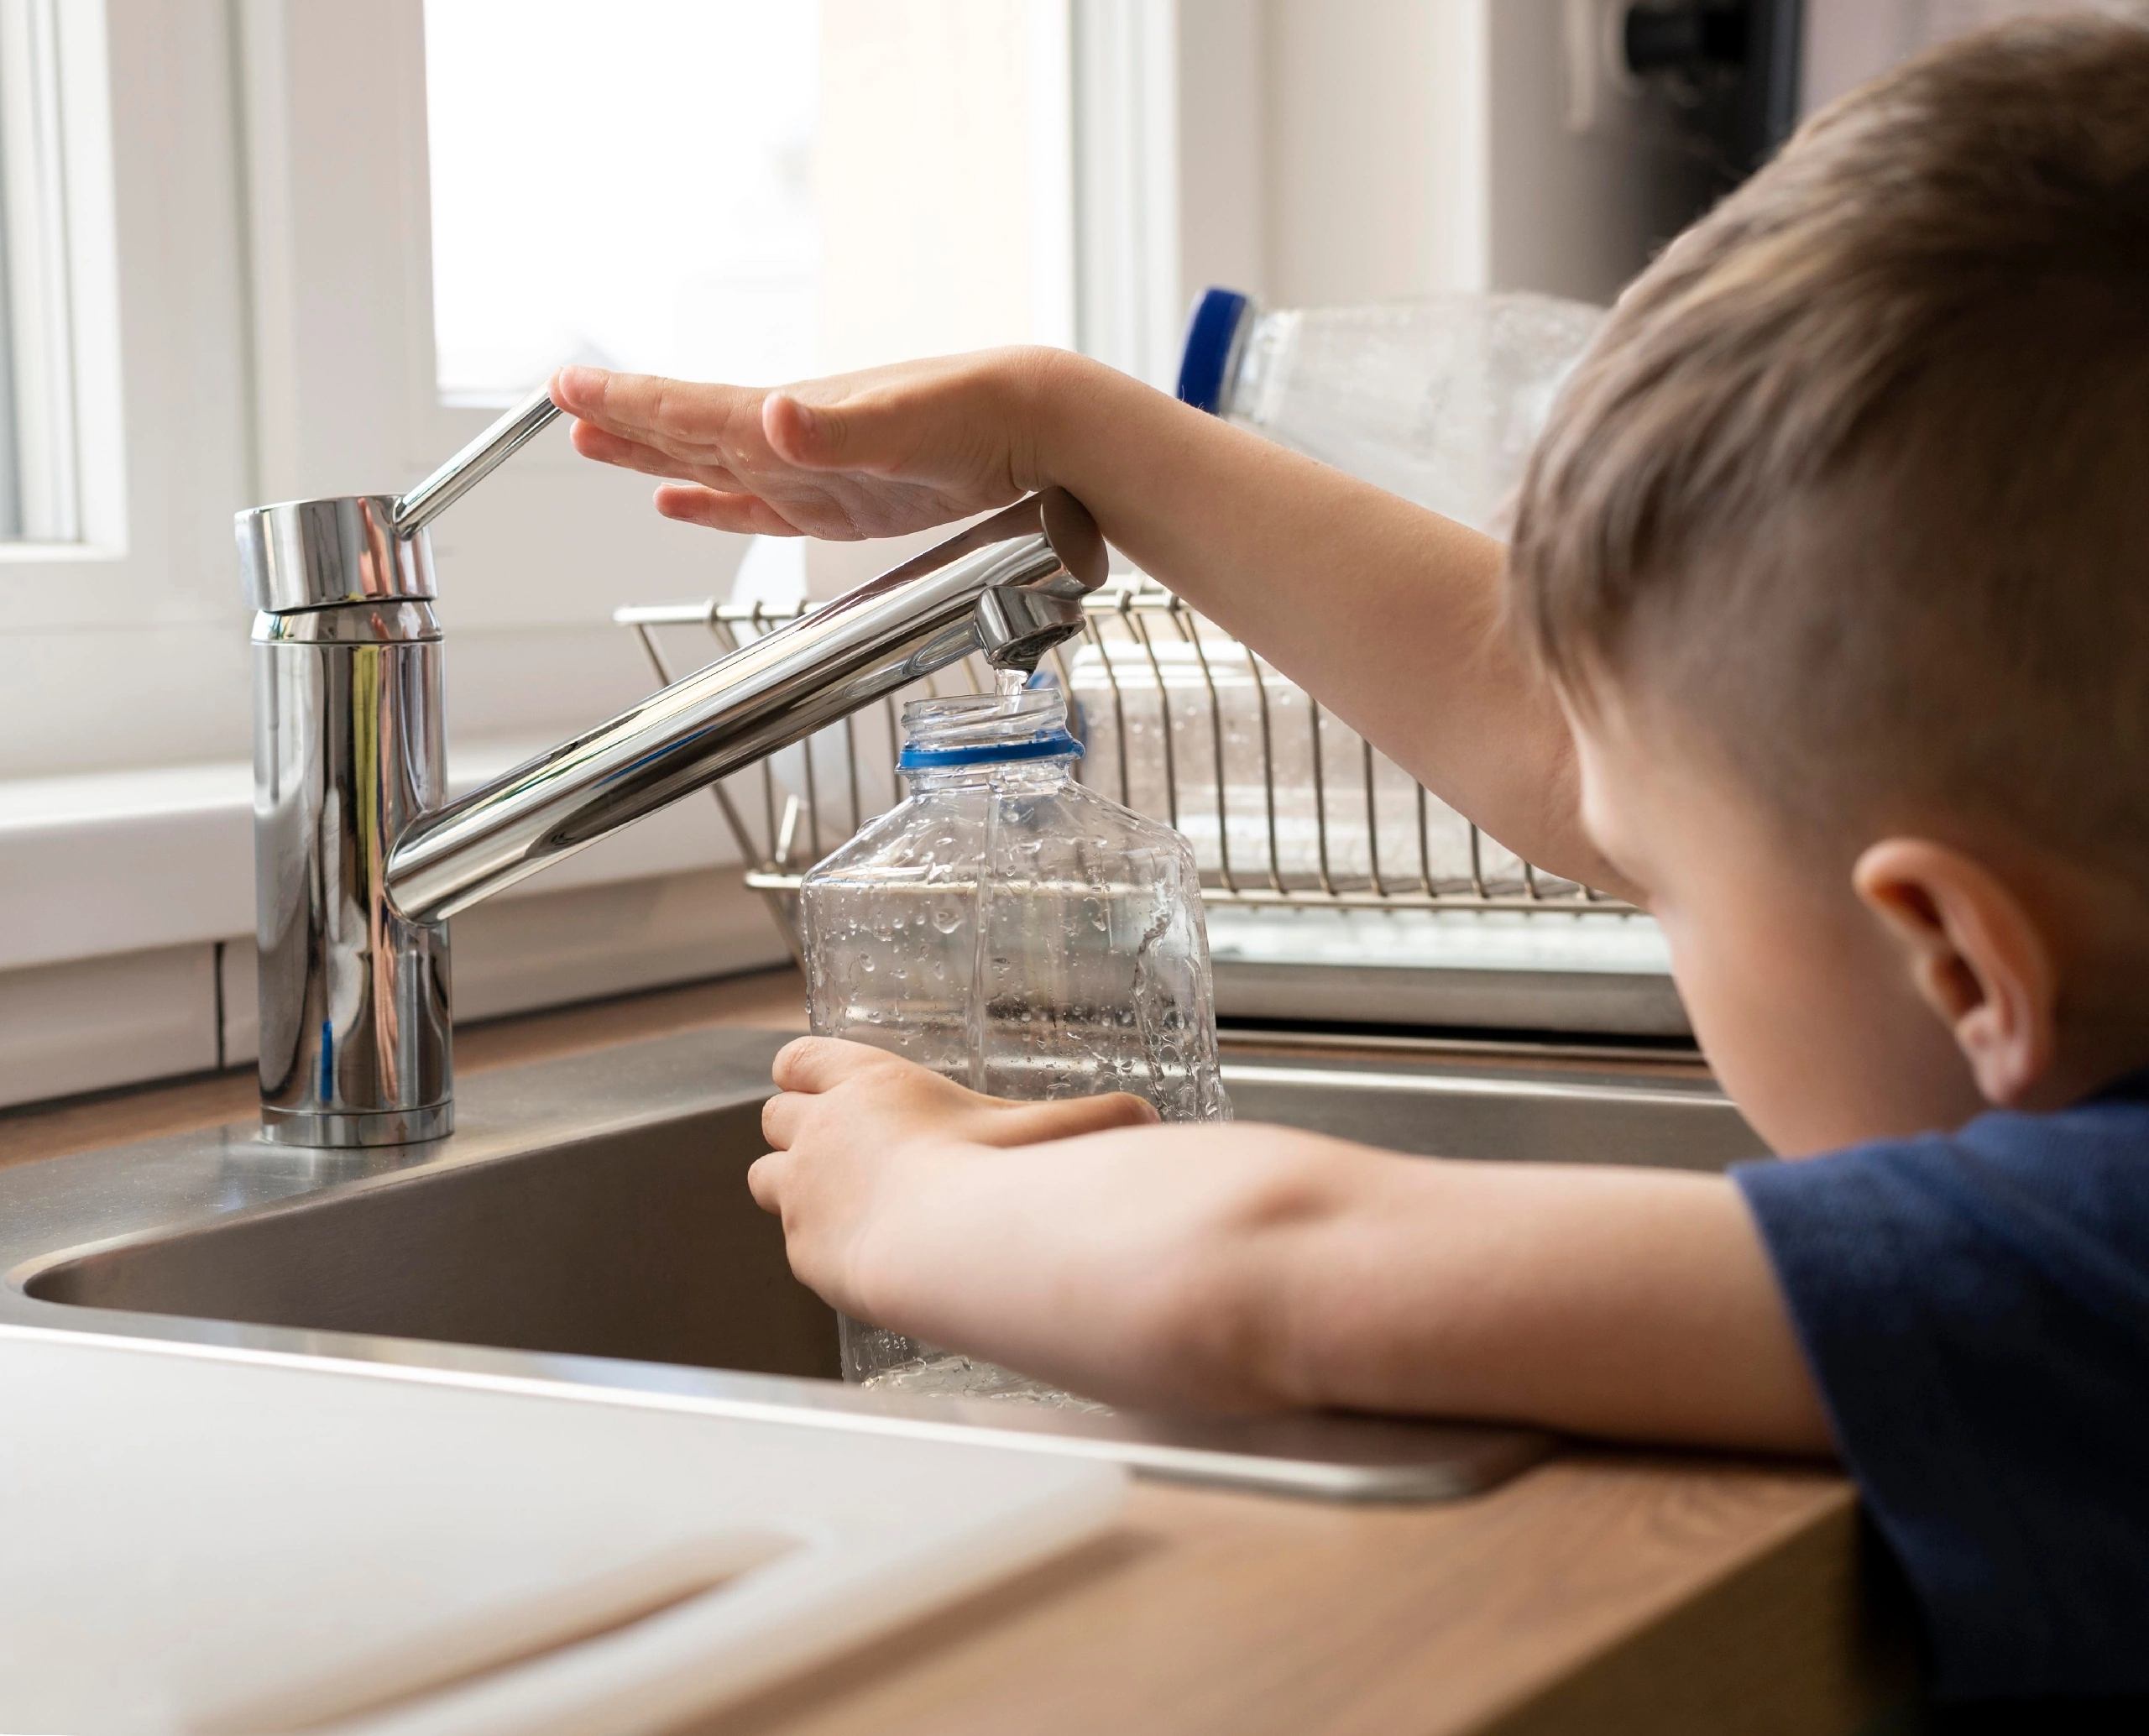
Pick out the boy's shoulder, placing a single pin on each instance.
(1975, 1308)
(2092, 1157)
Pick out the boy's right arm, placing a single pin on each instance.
(1391, 613)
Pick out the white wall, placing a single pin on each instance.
(928, 112)
(1344, 151)
(1357, 91)
(1848, 41)
(1584, 182)
(1223, 149)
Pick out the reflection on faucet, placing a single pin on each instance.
(357, 863)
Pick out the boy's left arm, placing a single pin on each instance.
(1253, 1267)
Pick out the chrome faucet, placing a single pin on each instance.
(359, 860)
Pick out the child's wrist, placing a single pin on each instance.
(1058, 415)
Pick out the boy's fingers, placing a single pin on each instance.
(815, 1064)
(748, 515)
(613, 401)
(765, 1182)
(576, 390)
(647, 407)
(689, 463)
(780, 1118)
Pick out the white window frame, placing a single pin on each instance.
(134, 603)
(62, 302)
(1126, 79)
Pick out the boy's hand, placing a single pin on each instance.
(862, 1135)
(877, 453)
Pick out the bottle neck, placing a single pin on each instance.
(1006, 775)
(1014, 740)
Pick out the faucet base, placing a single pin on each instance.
(390, 1127)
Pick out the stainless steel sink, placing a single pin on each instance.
(587, 1228)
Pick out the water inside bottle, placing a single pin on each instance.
(949, 1374)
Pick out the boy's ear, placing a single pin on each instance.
(1977, 958)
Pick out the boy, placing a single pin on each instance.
(1824, 635)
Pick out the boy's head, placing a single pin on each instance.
(1839, 539)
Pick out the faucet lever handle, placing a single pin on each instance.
(477, 461)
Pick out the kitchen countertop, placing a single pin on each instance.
(1605, 1591)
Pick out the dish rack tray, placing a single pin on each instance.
(1337, 887)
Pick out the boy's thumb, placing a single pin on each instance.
(819, 436)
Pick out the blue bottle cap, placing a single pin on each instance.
(1212, 333)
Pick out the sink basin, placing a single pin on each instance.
(588, 1225)
(639, 1243)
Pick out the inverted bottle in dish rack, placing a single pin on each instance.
(1437, 399)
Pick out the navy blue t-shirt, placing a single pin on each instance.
(1975, 1308)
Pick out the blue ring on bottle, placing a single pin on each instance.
(1057, 745)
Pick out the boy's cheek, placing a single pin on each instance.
(1756, 1004)
(1810, 1032)
(1739, 1026)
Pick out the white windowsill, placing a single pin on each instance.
(48, 554)
(128, 861)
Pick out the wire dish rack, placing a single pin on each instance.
(1338, 888)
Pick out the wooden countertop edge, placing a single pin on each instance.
(1799, 1634)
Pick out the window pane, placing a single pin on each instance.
(738, 189)
(39, 500)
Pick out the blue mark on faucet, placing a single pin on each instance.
(327, 1062)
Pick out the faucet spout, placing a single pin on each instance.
(1009, 587)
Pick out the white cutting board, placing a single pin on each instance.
(208, 1542)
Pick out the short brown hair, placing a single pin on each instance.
(1856, 476)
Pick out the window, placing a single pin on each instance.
(717, 190)
(60, 463)
(38, 500)
(664, 221)
(123, 442)
(731, 190)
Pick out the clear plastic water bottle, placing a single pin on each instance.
(1017, 932)
(1437, 400)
